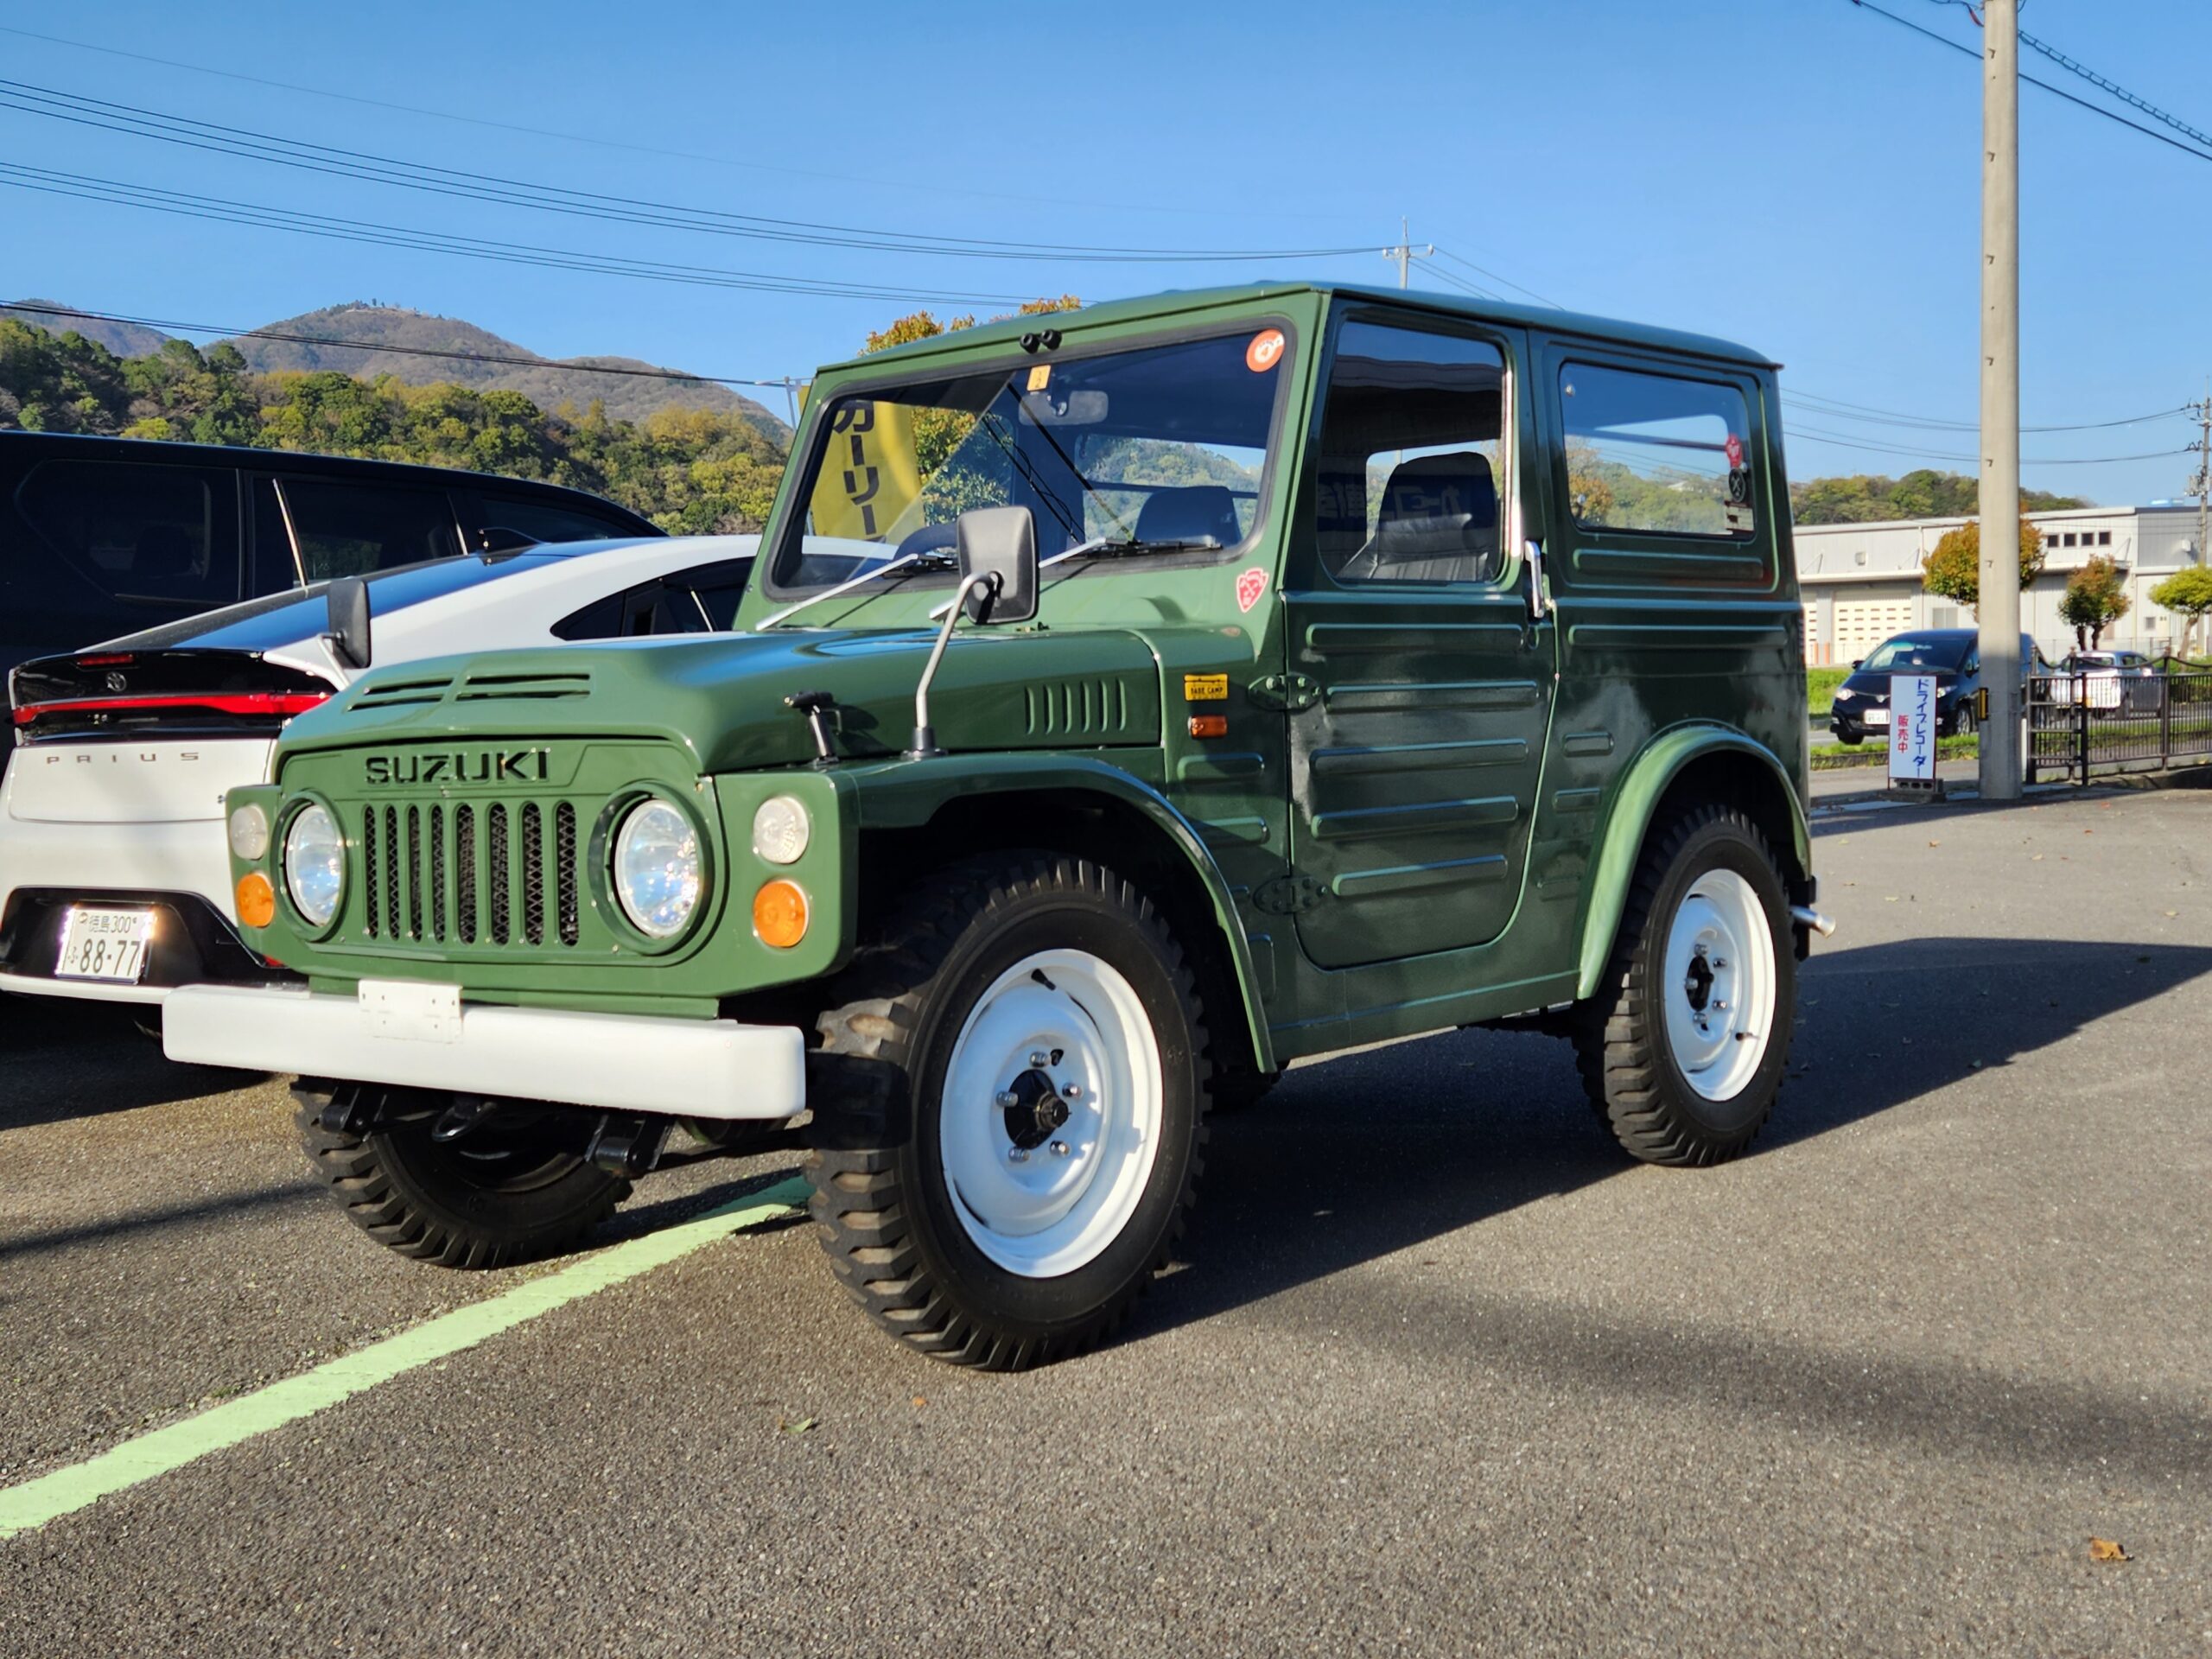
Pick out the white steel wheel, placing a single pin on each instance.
(1050, 1113)
(1719, 984)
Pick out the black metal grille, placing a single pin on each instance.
(533, 875)
(564, 866)
(428, 876)
(2101, 719)
(495, 855)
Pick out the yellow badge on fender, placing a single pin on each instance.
(1205, 688)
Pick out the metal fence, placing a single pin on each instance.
(2103, 720)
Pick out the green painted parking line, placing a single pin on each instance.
(31, 1506)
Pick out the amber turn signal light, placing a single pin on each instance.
(1209, 725)
(257, 900)
(779, 914)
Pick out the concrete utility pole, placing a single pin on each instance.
(1999, 610)
(1405, 253)
(2201, 485)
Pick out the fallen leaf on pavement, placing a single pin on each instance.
(919, 1401)
(795, 1425)
(2103, 1549)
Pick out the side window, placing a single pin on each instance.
(145, 532)
(1655, 451)
(702, 600)
(349, 529)
(1410, 457)
(543, 522)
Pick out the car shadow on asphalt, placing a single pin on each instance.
(1391, 1149)
(65, 1060)
(1383, 1150)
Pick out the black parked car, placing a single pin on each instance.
(103, 537)
(1952, 655)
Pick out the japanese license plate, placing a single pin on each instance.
(108, 944)
(1877, 716)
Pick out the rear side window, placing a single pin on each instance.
(1655, 452)
(542, 521)
(141, 531)
(350, 530)
(702, 600)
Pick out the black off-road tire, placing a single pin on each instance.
(1620, 1035)
(881, 1203)
(445, 1203)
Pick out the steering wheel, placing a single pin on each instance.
(930, 538)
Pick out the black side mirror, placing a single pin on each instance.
(348, 598)
(1856, 660)
(999, 543)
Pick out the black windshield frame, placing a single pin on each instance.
(780, 547)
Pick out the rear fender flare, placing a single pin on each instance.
(1628, 822)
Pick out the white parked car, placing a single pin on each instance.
(2124, 680)
(114, 876)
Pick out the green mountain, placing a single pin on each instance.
(547, 382)
(124, 339)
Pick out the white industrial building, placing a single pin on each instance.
(1861, 582)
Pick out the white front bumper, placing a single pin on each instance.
(616, 1062)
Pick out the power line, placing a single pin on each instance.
(226, 210)
(1834, 408)
(2102, 82)
(289, 338)
(2060, 91)
(1814, 435)
(1026, 199)
(136, 121)
(1506, 281)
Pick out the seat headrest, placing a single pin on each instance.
(1188, 512)
(1440, 495)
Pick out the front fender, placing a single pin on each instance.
(1636, 798)
(907, 794)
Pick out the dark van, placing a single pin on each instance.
(103, 537)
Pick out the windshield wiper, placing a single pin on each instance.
(1125, 547)
(928, 558)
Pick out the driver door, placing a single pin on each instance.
(1422, 687)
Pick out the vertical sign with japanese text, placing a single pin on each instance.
(1912, 728)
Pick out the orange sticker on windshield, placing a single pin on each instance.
(1265, 350)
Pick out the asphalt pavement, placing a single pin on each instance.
(1440, 1372)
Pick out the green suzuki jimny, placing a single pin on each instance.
(1125, 703)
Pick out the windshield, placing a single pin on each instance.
(1160, 444)
(1943, 656)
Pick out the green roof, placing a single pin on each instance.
(1182, 301)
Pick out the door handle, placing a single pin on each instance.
(1535, 552)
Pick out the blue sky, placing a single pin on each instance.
(1799, 174)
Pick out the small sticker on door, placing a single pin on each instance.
(1206, 687)
(1249, 587)
(1265, 350)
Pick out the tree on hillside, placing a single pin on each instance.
(1867, 497)
(1954, 569)
(2095, 598)
(2187, 593)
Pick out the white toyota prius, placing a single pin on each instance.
(114, 874)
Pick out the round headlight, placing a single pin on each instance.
(314, 864)
(248, 832)
(658, 872)
(780, 830)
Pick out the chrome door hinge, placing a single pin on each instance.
(1284, 691)
(1288, 895)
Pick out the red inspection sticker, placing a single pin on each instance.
(1734, 450)
(1265, 350)
(1249, 587)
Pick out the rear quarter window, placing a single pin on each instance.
(158, 533)
(1655, 453)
